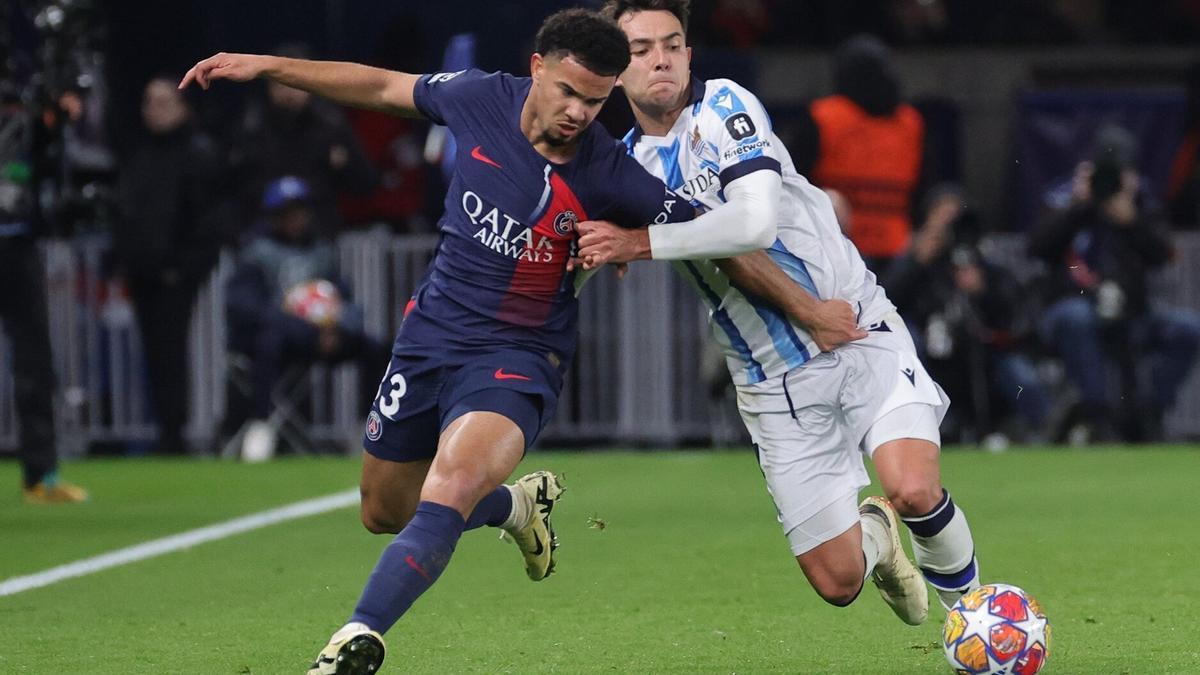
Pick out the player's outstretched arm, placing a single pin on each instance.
(351, 84)
(831, 323)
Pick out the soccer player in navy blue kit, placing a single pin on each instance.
(478, 362)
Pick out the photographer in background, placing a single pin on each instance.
(1100, 252)
(23, 306)
(966, 317)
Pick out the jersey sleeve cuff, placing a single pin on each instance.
(421, 99)
(732, 173)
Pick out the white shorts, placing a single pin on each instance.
(812, 426)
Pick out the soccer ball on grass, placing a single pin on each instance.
(997, 629)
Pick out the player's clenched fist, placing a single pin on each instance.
(833, 323)
(222, 66)
(602, 242)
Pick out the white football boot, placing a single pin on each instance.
(534, 497)
(354, 650)
(898, 580)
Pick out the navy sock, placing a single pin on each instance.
(492, 510)
(409, 565)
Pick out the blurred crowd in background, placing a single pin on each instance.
(1058, 338)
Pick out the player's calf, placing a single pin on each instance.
(834, 568)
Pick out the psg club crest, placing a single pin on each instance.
(564, 224)
(374, 426)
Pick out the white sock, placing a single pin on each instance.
(875, 541)
(352, 627)
(945, 550)
(522, 509)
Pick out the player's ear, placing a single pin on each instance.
(689, 53)
(619, 82)
(536, 63)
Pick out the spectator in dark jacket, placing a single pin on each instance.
(293, 133)
(968, 322)
(165, 244)
(285, 306)
(1101, 252)
(1183, 186)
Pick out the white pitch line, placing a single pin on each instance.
(176, 542)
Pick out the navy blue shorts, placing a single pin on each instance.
(421, 395)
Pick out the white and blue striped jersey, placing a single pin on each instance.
(725, 133)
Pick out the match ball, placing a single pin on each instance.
(997, 629)
(317, 302)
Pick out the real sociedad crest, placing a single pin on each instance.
(564, 223)
(696, 141)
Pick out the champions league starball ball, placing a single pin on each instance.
(997, 629)
(317, 302)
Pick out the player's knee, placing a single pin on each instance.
(379, 525)
(838, 585)
(458, 489)
(915, 497)
(381, 521)
(839, 592)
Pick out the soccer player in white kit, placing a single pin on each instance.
(812, 414)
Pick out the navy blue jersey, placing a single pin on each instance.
(499, 279)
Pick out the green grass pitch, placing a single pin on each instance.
(689, 574)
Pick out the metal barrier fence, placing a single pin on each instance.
(642, 376)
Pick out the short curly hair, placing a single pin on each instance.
(615, 9)
(590, 38)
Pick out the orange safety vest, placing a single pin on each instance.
(874, 162)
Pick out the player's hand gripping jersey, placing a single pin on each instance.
(499, 277)
(725, 134)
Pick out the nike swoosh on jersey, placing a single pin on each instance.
(501, 375)
(477, 153)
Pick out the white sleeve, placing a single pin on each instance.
(747, 221)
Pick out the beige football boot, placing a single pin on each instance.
(353, 650)
(898, 580)
(539, 492)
